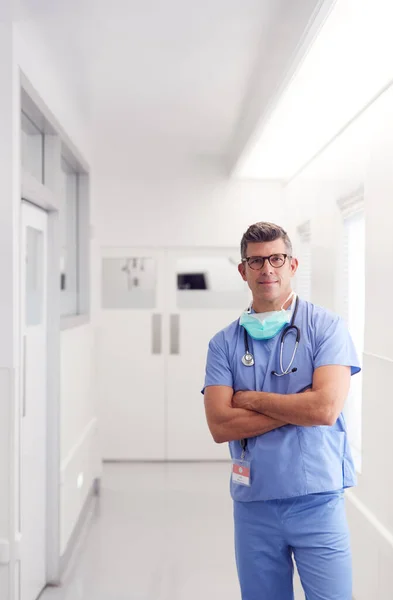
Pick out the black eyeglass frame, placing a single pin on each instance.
(265, 258)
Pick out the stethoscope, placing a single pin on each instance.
(248, 358)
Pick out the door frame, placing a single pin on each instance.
(39, 196)
(56, 142)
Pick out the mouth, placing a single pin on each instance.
(267, 282)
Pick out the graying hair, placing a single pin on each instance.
(264, 232)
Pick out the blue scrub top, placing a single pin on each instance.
(293, 460)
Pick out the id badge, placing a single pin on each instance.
(241, 472)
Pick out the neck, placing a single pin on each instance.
(262, 305)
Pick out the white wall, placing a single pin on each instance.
(44, 67)
(184, 204)
(23, 46)
(362, 155)
(79, 444)
(8, 299)
(47, 68)
(179, 203)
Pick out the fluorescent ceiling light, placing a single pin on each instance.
(348, 65)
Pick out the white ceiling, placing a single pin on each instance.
(178, 76)
(181, 71)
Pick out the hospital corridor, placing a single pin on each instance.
(183, 549)
(196, 345)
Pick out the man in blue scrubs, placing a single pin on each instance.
(280, 409)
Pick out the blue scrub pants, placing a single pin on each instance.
(311, 528)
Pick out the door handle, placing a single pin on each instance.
(175, 334)
(24, 376)
(156, 346)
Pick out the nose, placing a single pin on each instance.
(267, 269)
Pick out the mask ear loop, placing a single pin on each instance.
(291, 295)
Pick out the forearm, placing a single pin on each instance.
(239, 423)
(305, 409)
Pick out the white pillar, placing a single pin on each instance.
(9, 301)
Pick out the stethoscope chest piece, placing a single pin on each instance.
(248, 360)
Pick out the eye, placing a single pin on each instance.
(277, 260)
(255, 262)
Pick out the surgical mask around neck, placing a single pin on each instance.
(265, 326)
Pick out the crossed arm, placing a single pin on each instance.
(247, 414)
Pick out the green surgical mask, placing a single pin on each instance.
(265, 326)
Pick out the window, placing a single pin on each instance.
(34, 300)
(55, 177)
(129, 282)
(32, 148)
(69, 248)
(354, 312)
(303, 276)
(209, 282)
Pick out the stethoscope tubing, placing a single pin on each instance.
(248, 358)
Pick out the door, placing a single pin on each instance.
(33, 401)
(205, 294)
(131, 363)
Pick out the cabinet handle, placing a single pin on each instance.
(156, 346)
(175, 334)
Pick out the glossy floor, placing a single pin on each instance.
(159, 532)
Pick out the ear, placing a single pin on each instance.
(294, 266)
(242, 270)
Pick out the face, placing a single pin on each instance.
(271, 285)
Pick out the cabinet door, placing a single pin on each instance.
(130, 354)
(205, 293)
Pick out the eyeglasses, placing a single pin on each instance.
(257, 262)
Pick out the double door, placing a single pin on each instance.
(160, 308)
